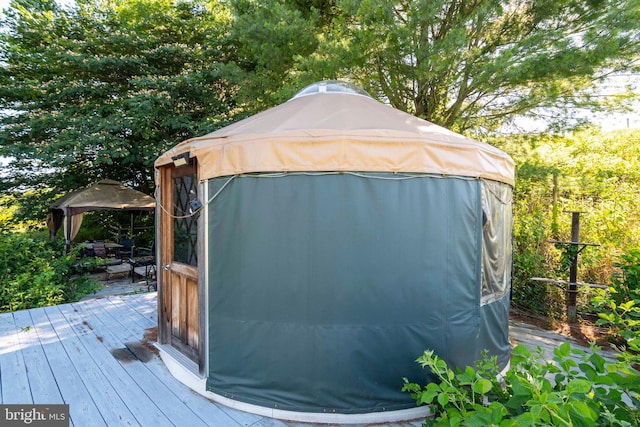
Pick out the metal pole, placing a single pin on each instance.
(573, 271)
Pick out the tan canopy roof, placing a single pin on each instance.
(103, 195)
(340, 132)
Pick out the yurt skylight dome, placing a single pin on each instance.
(331, 86)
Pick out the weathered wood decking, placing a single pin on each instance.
(89, 355)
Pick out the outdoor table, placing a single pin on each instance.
(112, 248)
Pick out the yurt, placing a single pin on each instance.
(310, 253)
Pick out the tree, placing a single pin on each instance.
(270, 38)
(473, 65)
(100, 89)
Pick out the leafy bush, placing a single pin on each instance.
(529, 260)
(590, 171)
(577, 388)
(618, 308)
(627, 285)
(34, 272)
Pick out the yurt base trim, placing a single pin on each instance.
(189, 377)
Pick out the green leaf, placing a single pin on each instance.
(607, 316)
(426, 397)
(525, 420)
(567, 364)
(581, 414)
(443, 399)
(603, 380)
(598, 362)
(563, 351)
(536, 411)
(516, 402)
(522, 351)
(588, 371)
(578, 386)
(466, 378)
(627, 305)
(430, 392)
(482, 386)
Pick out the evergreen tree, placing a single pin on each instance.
(101, 88)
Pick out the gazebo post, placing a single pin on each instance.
(67, 234)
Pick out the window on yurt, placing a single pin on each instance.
(185, 231)
(496, 240)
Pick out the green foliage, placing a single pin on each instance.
(35, 273)
(590, 171)
(618, 308)
(568, 254)
(270, 38)
(576, 388)
(476, 65)
(529, 258)
(100, 89)
(623, 321)
(627, 285)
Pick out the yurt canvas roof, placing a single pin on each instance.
(336, 131)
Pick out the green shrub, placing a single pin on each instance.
(590, 171)
(529, 260)
(34, 272)
(618, 308)
(627, 285)
(577, 388)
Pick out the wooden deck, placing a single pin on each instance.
(90, 355)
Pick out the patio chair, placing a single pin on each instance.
(114, 265)
(128, 248)
(144, 265)
(99, 250)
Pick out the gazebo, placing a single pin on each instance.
(106, 194)
(313, 251)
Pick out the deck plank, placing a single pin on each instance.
(213, 413)
(44, 389)
(134, 319)
(146, 305)
(13, 371)
(83, 411)
(104, 395)
(196, 403)
(138, 403)
(117, 336)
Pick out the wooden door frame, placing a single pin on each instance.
(201, 247)
(165, 252)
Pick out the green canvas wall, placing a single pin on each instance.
(324, 289)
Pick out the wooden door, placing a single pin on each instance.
(179, 319)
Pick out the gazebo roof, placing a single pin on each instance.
(105, 195)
